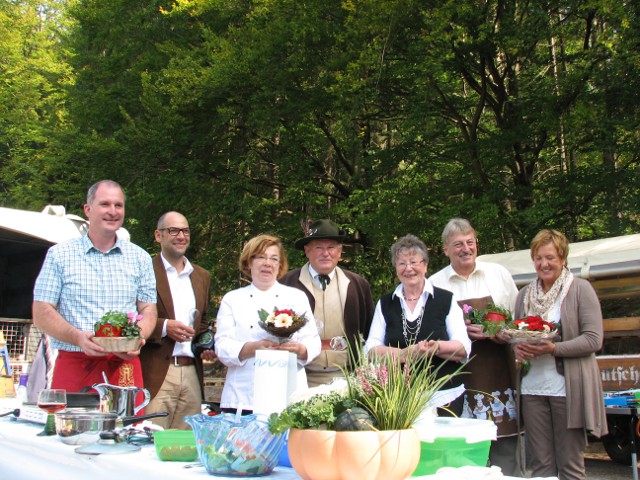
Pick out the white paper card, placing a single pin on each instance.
(274, 380)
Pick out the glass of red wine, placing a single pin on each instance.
(51, 400)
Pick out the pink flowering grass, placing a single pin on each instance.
(395, 393)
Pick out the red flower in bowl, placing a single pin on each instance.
(108, 330)
(495, 317)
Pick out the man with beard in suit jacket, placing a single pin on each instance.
(173, 376)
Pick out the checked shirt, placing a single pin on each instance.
(85, 283)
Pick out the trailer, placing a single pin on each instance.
(612, 265)
(25, 237)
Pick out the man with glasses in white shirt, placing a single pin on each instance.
(341, 300)
(172, 374)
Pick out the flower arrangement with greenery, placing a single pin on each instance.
(530, 329)
(281, 322)
(492, 319)
(534, 324)
(378, 393)
(118, 324)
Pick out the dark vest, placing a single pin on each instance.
(433, 327)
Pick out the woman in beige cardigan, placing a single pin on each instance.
(561, 391)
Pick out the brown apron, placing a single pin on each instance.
(490, 380)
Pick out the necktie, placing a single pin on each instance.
(324, 280)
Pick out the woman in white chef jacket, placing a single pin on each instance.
(238, 335)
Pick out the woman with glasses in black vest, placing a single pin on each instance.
(418, 319)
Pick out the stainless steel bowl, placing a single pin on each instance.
(81, 427)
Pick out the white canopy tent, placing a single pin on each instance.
(611, 264)
(52, 225)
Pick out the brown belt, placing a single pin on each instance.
(182, 361)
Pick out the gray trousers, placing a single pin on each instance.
(552, 448)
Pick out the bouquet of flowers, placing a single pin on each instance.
(281, 323)
(530, 329)
(493, 318)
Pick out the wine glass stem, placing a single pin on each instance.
(50, 426)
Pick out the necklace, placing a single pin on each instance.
(410, 332)
(410, 299)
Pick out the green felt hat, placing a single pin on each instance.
(321, 230)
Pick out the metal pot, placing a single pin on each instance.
(84, 427)
(121, 400)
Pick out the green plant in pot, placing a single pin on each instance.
(361, 427)
(118, 324)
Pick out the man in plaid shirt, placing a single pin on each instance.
(86, 277)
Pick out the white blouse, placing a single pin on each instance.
(543, 377)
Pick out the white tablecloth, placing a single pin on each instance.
(26, 456)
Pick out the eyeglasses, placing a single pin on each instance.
(174, 231)
(413, 264)
(263, 259)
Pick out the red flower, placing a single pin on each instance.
(108, 330)
(534, 324)
(495, 317)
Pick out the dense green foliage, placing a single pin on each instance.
(388, 116)
(318, 412)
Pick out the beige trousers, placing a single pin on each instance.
(179, 396)
(315, 378)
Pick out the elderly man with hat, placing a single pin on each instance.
(341, 300)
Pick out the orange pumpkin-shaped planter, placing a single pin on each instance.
(365, 455)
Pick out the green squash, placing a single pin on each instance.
(354, 419)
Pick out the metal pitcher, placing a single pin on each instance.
(120, 400)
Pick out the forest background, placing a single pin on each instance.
(389, 117)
